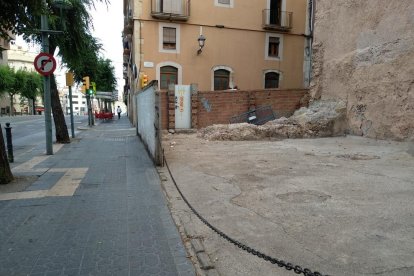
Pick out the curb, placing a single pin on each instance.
(193, 243)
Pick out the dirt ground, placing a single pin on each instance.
(340, 206)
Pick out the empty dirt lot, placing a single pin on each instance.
(340, 206)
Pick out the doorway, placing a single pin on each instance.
(275, 12)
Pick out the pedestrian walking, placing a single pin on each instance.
(119, 110)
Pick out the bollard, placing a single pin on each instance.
(9, 142)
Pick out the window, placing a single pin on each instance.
(271, 80)
(169, 38)
(274, 46)
(274, 43)
(224, 3)
(221, 79)
(74, 102)
(170, 6)
(168, 75)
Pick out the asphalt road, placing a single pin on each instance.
(28, 132)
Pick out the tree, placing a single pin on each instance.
(6, 175)
(9, 83)
(105, 75)
(6, 81)
(32, 88)
(19, 17)
(17, 87)
(75, 41)
(6, 78)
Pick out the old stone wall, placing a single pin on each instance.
(364, 55)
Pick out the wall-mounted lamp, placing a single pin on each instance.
(201, 41)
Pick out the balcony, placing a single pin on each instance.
(277, 20)
(178, 10)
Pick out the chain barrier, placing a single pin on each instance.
(288, 266)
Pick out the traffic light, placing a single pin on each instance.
(69, 79)
(93, 88)
(85, 81)
(144, 80)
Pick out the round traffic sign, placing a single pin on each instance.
(45, 64)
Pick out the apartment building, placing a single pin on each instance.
(217, 44)
(4, 46)
(78, 101)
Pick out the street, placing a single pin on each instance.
(28, 132)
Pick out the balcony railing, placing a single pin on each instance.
(171, 9)
(277, 20)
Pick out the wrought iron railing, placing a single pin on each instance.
(171, 9)
(277, 20)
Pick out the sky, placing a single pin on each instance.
(108, 24)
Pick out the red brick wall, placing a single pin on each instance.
(164, 109)
(217, 107)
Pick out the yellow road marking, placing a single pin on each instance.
(23, 195)
(28, 166)
(68, 183)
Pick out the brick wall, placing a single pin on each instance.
(217, 107)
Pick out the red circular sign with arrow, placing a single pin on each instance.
(45, 64)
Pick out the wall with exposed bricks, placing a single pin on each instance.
(217, 107)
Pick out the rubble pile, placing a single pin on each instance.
(320, 119)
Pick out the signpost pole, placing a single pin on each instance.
(46, 87)
(69, 83)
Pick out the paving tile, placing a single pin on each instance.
(116, 223)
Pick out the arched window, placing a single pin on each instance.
(272, 80)
(221, 79)
(168, 74)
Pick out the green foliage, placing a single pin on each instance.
(20, 17)
(27, 84)
(105, 75)
(7, 78)
(78, 48)
(33, 85)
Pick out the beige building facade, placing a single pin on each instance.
(4, 46)
(248, 44)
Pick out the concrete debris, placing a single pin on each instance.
(320, 119)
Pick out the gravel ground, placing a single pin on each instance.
(340, 206)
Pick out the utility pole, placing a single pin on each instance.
(46, 85)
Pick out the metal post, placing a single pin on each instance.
(9, 143)
(46, 87)
(72, 127)
(88, 102)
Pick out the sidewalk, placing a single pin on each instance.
(96, 209)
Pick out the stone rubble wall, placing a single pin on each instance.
(364, 55)
(320, 119)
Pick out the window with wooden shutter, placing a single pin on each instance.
(274, 43)
(169, 38)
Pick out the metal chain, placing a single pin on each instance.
(288, 266)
